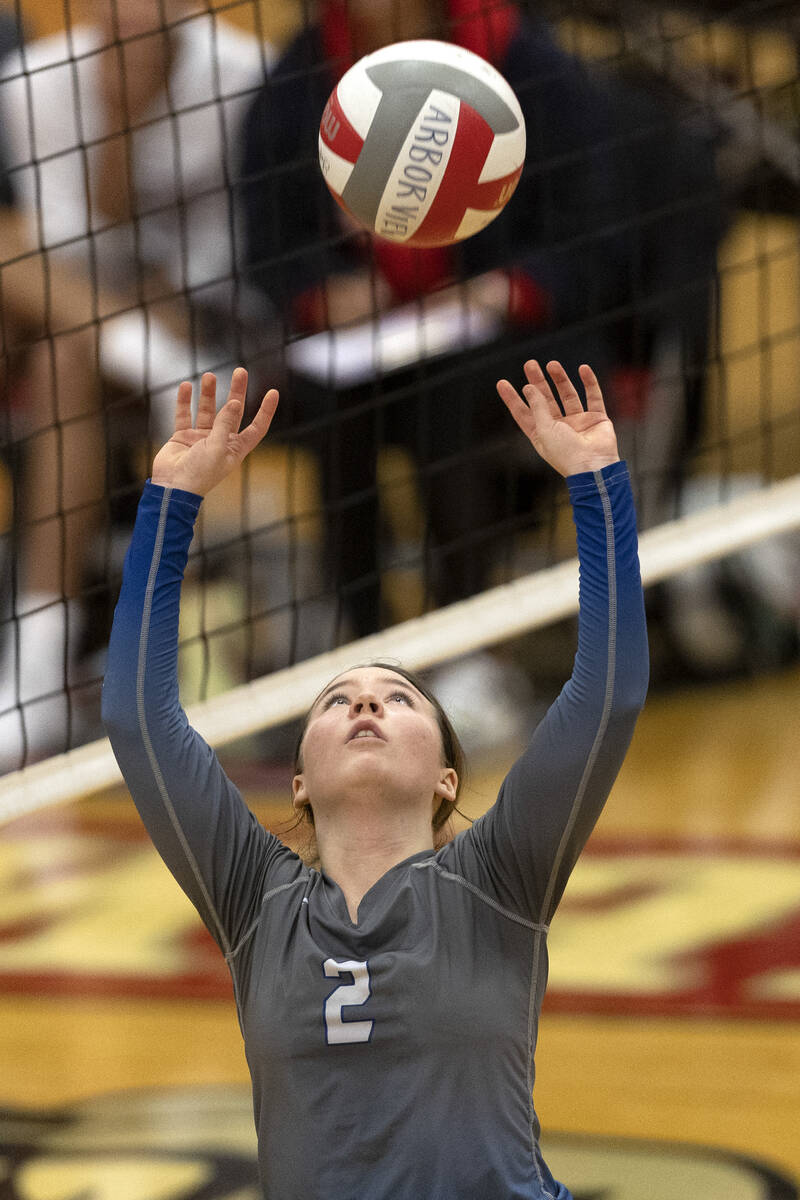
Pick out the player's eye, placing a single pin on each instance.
(336, 698)
(404, 696)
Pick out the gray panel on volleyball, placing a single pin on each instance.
(404, 88)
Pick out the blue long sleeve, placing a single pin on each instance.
(525, 847)
(211, 842)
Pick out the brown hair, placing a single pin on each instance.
(452, 754)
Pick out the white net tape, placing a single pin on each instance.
(493, 616)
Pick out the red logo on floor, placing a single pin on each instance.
(646, 926)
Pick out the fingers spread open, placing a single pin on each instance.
(514, 403)
(570, 400)
(535, 375)
(539, 390)
(183, 407)
(227, 421)
(594, 394)
(254, 432)
(238, 388)
(207, 404)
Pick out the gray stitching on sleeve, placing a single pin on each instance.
(609, 693)
(142, 718)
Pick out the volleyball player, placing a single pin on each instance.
(389, 995)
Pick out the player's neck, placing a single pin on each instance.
(356, 853)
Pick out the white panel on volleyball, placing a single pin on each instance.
(415, 178)
(506, 155)
(473, 221)
(337, 170)
(359, 98)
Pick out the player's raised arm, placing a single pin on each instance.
(525, 847)
(198, 821)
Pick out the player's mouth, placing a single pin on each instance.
(364, 730)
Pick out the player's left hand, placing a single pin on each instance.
(570, 438)
(197, 458)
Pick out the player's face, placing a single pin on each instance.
(372, 729)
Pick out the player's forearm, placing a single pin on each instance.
(141, 683)
(563, 779)
(193, 813)
(612, 656)
(580, 744)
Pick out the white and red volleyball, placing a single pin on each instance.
(422, 143)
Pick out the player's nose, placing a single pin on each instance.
(367, 702)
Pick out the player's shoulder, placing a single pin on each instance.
(462, 855)
(287, 861)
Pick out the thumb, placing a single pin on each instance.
(227, 420)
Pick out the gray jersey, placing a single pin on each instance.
(392, 1057)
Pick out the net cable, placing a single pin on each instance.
(509, 610)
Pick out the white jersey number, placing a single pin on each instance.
(338, 1030)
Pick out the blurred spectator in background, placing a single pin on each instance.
(607, 249)
(118, 237)
(10, 37)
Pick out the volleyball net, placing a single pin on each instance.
(394, 510)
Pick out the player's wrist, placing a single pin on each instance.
(590, 465)
(179, 483)
(176, 486)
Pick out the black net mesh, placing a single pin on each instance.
(163, 214)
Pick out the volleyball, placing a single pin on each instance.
(422, 142)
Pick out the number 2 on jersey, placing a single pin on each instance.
(339, 1031)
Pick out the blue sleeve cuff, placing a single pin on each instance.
(191, 499)
(586, 481)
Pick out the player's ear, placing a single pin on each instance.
(447, 786)
(300, 797)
